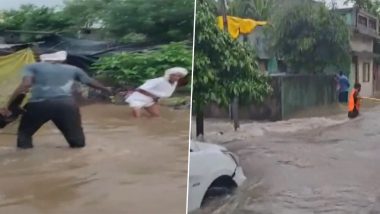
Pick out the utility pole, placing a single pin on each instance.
(234, 107)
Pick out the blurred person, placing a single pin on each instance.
(50, 82)
(344, 85)
(354, 102)
(147, 95)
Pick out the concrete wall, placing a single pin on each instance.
(300, 92)
(361, 43)
(292, 93)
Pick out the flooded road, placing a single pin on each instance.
(127, 166)
(326, 165)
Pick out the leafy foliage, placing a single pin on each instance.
(30, 17)
(85, 13)
(223, 68)
(129, 21)
(162, 20)
(254, 9)
(132, 69)
(310, 37)
(134, 38)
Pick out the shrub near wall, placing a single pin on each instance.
(132, 69)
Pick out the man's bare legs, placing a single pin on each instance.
(153, 110)
(136, 112)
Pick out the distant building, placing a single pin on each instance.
(267, 61)
(364, 33)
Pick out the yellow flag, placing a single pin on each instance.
(237, 26)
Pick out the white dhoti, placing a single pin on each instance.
(158, 87)
(138, 100)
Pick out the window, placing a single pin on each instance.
(366, 73)
(372, 24)
(362, 20)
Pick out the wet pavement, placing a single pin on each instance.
(127, 166)
(310, 165)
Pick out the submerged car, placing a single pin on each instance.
(212, 168)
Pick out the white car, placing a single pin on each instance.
(211, 167)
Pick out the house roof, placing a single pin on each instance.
(366, 54)
(345, 10)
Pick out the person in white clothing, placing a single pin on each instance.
(147, 95)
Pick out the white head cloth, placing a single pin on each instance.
(57, 56)
(175, 70)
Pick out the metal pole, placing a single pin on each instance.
(223, 4)
(235, 101)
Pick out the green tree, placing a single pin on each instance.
(254, 9)
(310, 37)
(85, 13)
(31, 17)
(223, 68)
(34, 18)
(159, 20)
(129, 21)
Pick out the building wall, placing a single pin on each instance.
(376, 80)
(362, 39)
(361, 43)
(300, 92)
(351, 76)
(366, 28)
(350, 18)
(367, 87)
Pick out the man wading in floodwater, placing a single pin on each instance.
(51, 82)
(354, 101)
(147, 95)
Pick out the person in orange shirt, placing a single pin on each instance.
(354, 102)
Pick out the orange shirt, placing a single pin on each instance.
(351, 101)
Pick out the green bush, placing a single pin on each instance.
(133, 38)
(132, 69)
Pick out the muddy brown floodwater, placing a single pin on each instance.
(128, 166)
(311, 165)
